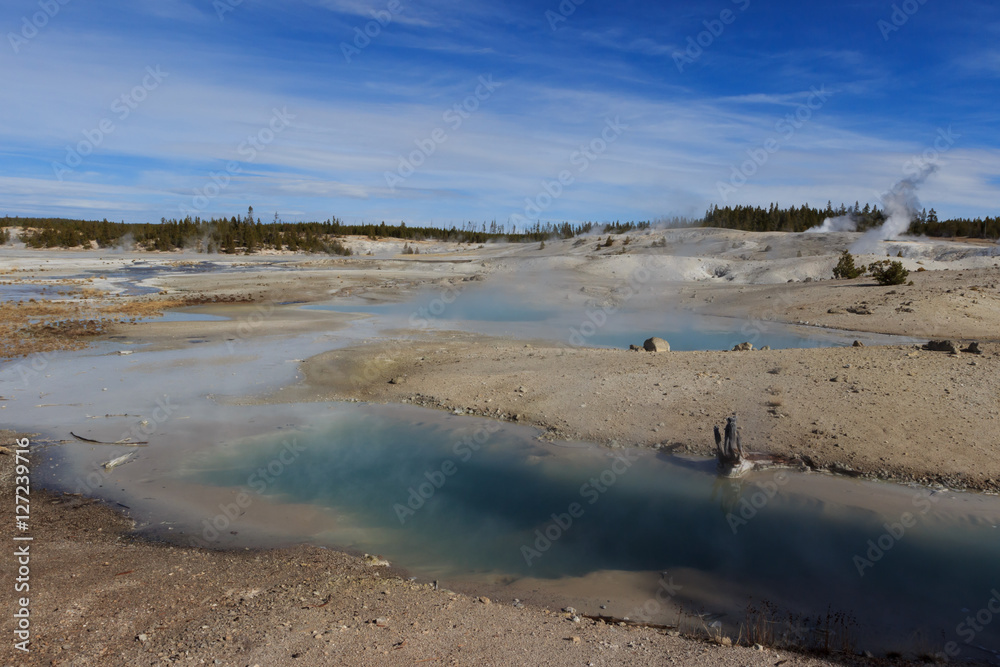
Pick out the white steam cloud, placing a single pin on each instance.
(842, 223)
(900, 205)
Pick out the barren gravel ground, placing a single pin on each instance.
(889, 412)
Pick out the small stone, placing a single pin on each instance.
(382, 622)
(942, 346)
(743, 347)
(143, 637)
(485, 600)
(569, 610)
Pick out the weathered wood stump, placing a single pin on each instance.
(732, 459)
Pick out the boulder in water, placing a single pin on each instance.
(656, 344)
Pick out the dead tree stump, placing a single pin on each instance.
(729, 451)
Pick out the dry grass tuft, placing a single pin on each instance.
(33, 326)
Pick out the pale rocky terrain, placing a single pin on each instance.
(892, 412)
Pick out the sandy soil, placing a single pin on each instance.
(887, 412)
(891, 412)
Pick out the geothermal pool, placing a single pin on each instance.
(473, 504)
(490, 508)
(508, 313)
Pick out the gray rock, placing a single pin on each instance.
(973, 348)
(743, 347)
(942, 346)
(858, 343)
(656, 344)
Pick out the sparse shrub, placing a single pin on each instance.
(888, 273)
(899, 254)
(541, 246)
(845, 267)
(407, 250)
(610, 242)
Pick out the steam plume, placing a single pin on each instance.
(900, 205)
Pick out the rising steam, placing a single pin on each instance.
(900, 205)
(842, 223)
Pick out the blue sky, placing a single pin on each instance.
(507, 111)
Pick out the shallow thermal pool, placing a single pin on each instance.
(474, 503)
(489, 508)
(508, 313)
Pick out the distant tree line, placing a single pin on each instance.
(799, 219)
(793, 219)
(245, 234)
(980, 228)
